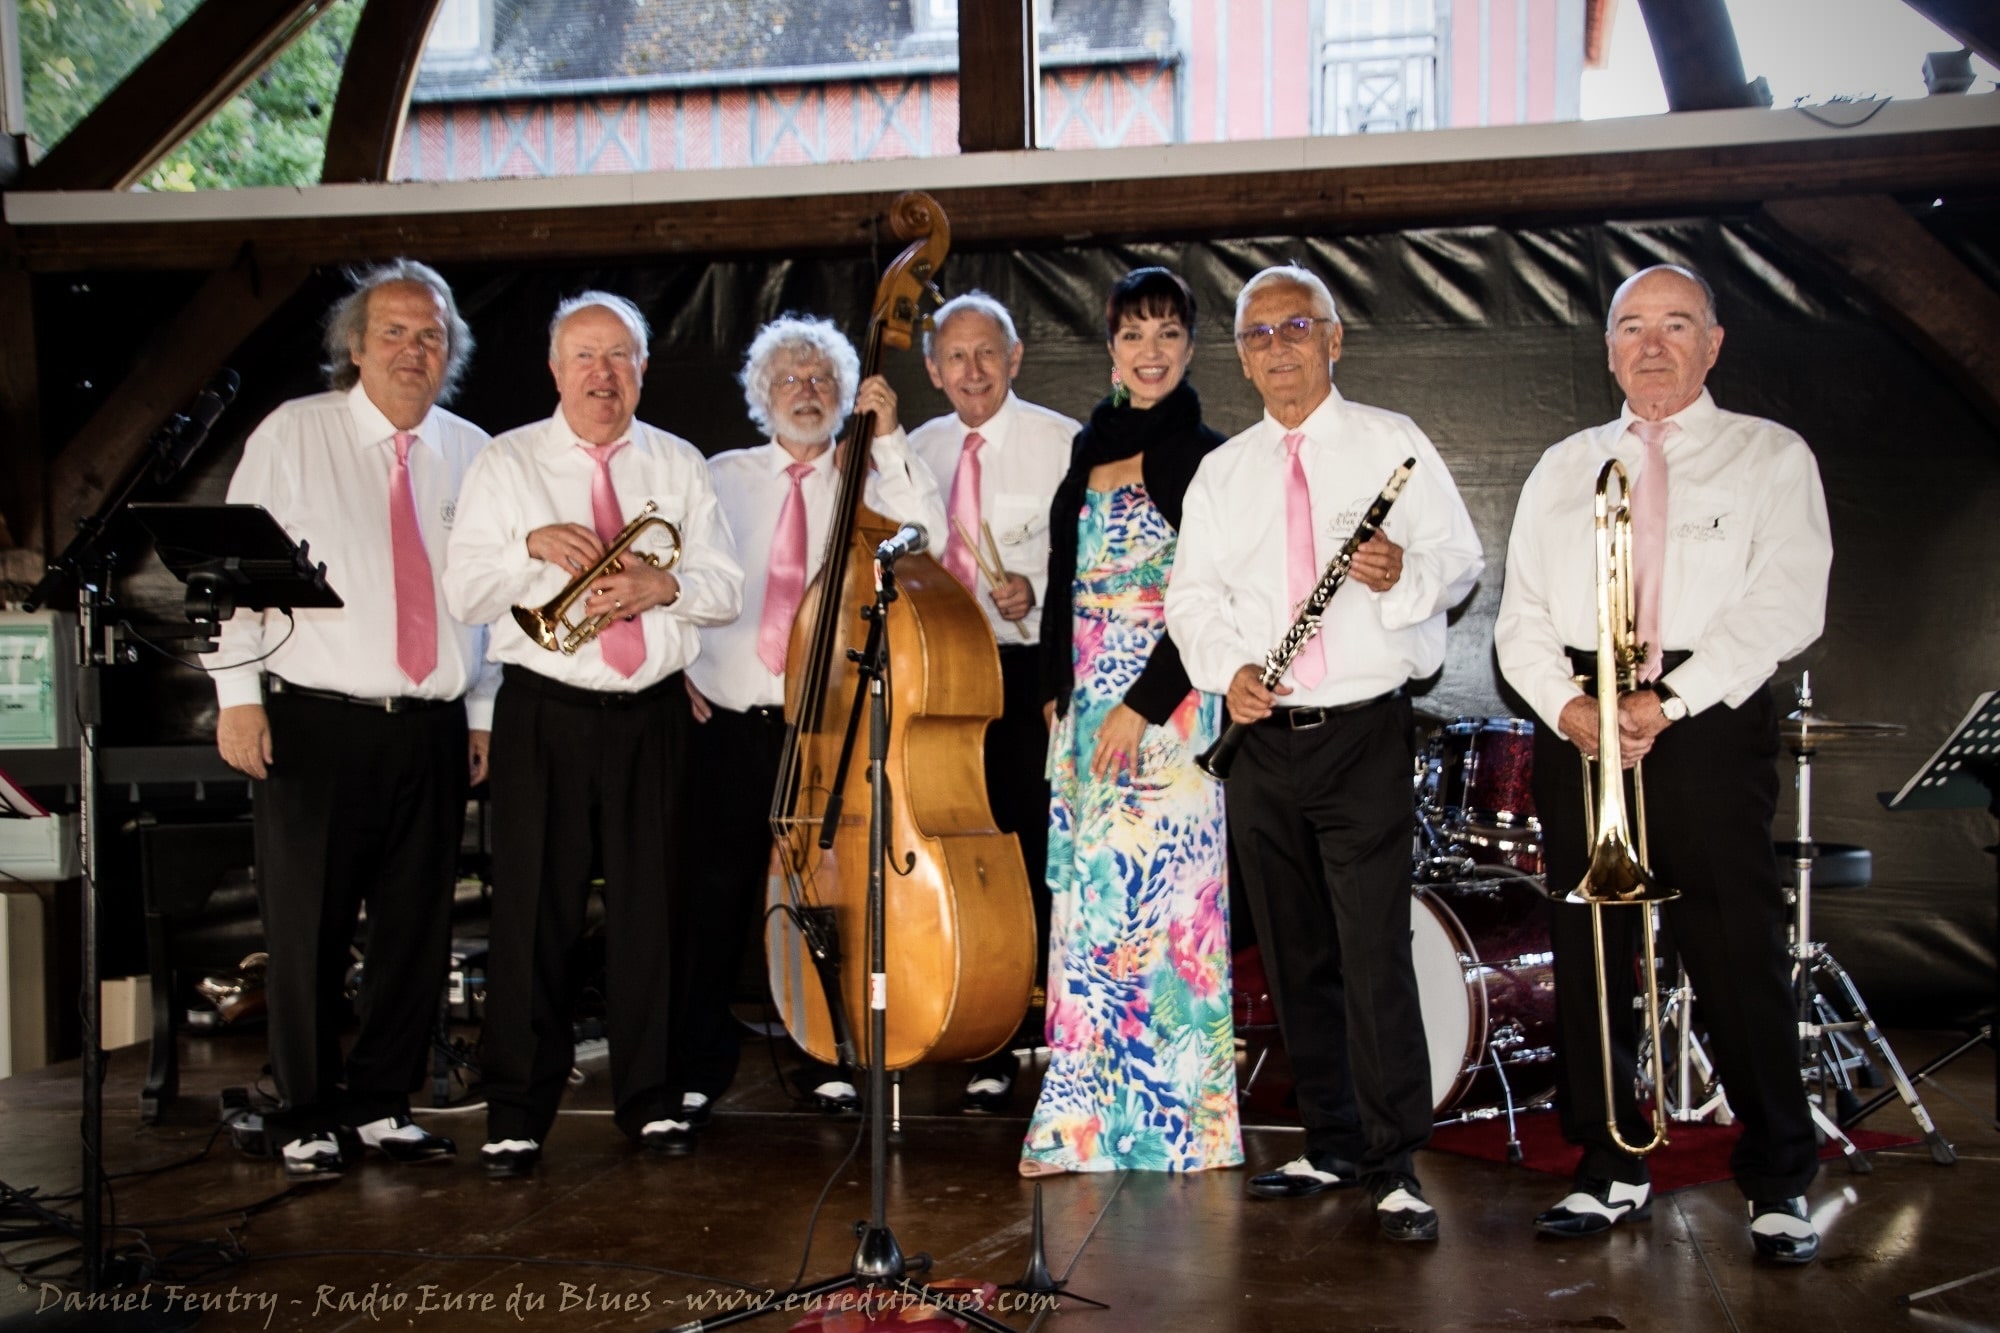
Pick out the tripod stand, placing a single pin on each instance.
(880, 1270)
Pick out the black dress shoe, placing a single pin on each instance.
(1401, 1212)
(987, 1095)
(1595, 1206)
(836, 1098)
(401, 1139)
(1301, 1178)
(1781, 1231)
(312, 1157)
(510, 1159)
(697, 1109)
(668, 1138)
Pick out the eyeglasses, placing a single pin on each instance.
(817, 383)
(1258, 336)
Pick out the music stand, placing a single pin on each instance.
(232, 557)
(1962, 774)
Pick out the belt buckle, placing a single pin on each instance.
(1305, 719)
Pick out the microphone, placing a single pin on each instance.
(910, 539)
(185, 432)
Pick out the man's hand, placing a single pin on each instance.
(1640, 722)
(1578, 724)
(635, 588)
(243, 736)
(478, 745)
(1014, 598)
(697, 701)
(570, 547)
(1377, 564)
(876, 396)
(1248, 701)
(1118, 739)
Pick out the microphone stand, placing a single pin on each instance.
(879, 1268)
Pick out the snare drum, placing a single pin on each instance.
(1487, 986)
(1479, 772)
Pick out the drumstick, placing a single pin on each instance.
(995, 573)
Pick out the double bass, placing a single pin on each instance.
(960, 937)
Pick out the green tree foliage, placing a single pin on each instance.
(73, 52)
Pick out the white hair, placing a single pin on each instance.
(642, 332)
(1288, 275)
(792, 337)
(974, 301)
(1701, 285)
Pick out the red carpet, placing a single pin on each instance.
(1694, 1155)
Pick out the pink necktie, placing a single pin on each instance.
(1649, 540)
(958, 557)
(622, 642)
(1301, 561)
(786, 582)
(416, 595)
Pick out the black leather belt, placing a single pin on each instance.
(536, 683)
(1584, 664)
(1305, 719)
(398, 703)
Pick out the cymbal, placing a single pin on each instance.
(1805, 729)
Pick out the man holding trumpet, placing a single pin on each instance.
(999, 460)
(587, 744)
(1730, 554)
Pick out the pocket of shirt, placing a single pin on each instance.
(1707, 520)
(1020, 524)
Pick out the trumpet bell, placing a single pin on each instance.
(538, 625)
(1617, 878)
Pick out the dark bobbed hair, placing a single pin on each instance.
(1149, 293)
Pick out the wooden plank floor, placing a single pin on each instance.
(605, 1238)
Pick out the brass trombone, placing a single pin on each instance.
(549, 624)
(1617, 874)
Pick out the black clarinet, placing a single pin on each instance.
(1217, 758)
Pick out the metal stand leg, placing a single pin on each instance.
(1864, 1023)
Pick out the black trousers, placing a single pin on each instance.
(1017, 754)
(1711, 788)
(361, 807)
(1321, 820)
(573, 769)
(733, 761)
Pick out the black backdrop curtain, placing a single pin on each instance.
(1490, 338)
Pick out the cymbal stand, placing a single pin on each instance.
(1820, 1060)
(1690, 1058)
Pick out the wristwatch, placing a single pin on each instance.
(1672, 705)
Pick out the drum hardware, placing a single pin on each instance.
(1828, 1049)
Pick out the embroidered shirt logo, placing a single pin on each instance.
(1708, 528)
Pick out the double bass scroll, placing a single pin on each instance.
(960, 924)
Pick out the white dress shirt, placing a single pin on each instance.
(1227, 598)
(751, 485)
(1748, 552)
(1024, 458)
(320, 465)
(537, 475)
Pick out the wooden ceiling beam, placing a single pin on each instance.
(1924, 289)
(203, 63)
(1700, 63)
(1572, 186)
(374, 97)
(996, 76)
(180, 357)
(1975, 23)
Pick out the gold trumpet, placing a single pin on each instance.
(549, 624)
(1617, 875)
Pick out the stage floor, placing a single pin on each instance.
(606, 1238)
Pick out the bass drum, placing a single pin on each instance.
(1487, 985)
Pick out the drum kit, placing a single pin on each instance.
(1480, 945)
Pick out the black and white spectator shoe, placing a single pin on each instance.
(1782, 1232)
(1596, 1206)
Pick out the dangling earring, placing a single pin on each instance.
(1120, 395)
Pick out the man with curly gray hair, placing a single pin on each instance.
(389, 685)
(801, 379)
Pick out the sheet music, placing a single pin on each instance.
(1943, 779)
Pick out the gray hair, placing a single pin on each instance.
(1701, 285)
(974, 301)
(1288, 275)
(347, 324)
(792, 337)
(642, 332)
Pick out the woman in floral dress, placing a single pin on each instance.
(1142, 1065)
